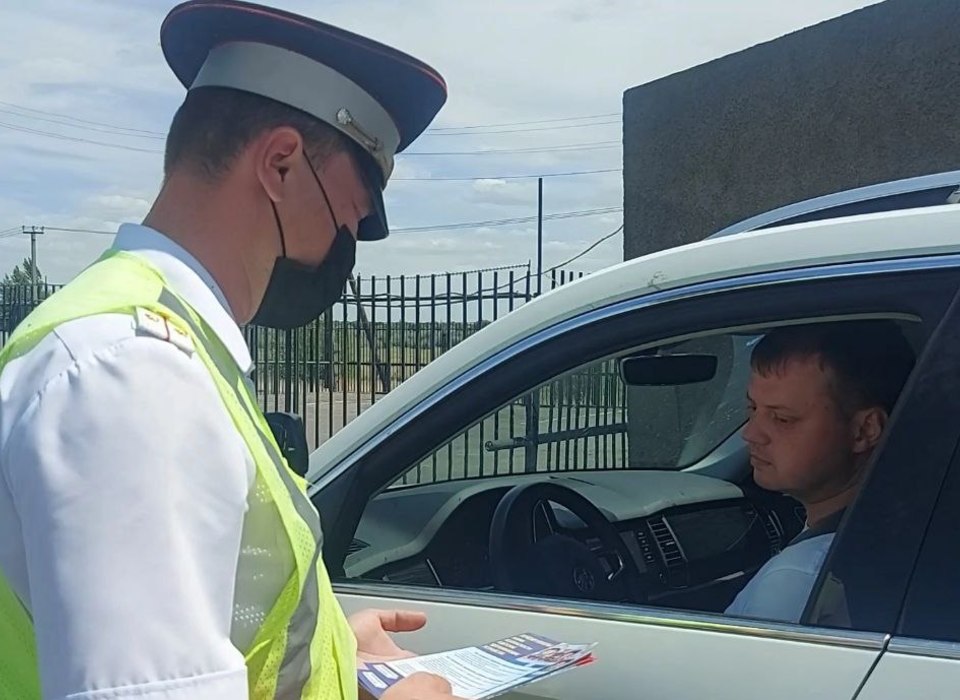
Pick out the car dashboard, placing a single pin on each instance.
(695, 539)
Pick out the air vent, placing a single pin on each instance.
(667, 543)
(417, 574)
(771, 526)
(645, 548)
(356, 546)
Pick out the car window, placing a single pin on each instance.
(590, 419)
(663, 461)
(932, 607)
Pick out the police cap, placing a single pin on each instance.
(378, 97)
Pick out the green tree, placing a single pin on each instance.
(21, 274)
(18, 297)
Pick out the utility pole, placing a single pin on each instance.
(539, 235)
(34, 232)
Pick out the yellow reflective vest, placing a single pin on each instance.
(304, 648)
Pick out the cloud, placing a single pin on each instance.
(119, 207)
(64, 253)
(504, 193)
(99, 61)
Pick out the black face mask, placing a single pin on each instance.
(297, 293)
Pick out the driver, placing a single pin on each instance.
(819, 399)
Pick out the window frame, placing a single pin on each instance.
(931, 589)
(864, 288)
(879, 544)
(721, 386)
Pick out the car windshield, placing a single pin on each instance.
(601, 417)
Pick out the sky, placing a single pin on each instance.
(535, 88)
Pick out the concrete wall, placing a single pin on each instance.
(867, 97)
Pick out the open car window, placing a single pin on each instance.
(590, 418)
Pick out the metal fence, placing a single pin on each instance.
(18, 300)
(382, 331)
(577, 421)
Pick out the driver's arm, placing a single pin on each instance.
(777, 595)
(780, 589)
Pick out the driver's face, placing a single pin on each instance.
(799, 440)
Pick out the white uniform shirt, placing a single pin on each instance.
(122, 500)
(779, 591)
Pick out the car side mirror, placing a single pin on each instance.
(667, 370)
(291, 437)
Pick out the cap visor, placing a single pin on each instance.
(374, 226)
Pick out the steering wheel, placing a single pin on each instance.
(528, 554)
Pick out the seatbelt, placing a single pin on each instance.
(824, 527)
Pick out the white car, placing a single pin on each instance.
(601, 422)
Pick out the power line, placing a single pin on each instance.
(424, 229)
(395, 301)
(83, 121)
(73, 122)
(596, 145)
(455, 273)
(549, 149)
(568, 261)
(539, 121)
(532, 176)
(79, 230)
(77, 139)
(523, 130)
(507, 222)
(478, 270)
(116, 130)
(16, 231)
(111, 130)
(435, 130)
(586, 250)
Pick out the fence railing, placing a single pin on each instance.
(577, 421)
(382, 331)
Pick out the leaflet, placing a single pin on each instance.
(482, 672)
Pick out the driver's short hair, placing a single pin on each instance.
(869, 360)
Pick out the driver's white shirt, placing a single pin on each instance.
(779, 591)
(123, 489)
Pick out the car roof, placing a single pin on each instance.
(863, 238)
(909, 193)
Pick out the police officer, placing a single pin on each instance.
(153, 543)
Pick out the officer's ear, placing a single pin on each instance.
(275, 153)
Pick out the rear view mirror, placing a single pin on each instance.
(291, 436)
(667, 370)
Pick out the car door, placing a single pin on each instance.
(644, 651)
(922, 657)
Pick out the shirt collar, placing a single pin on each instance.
(190, 280)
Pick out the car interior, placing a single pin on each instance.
(623, 480)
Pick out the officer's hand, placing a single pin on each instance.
(420, 686)
(371, 628)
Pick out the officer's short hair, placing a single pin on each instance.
(214, 124)
(869, 360)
